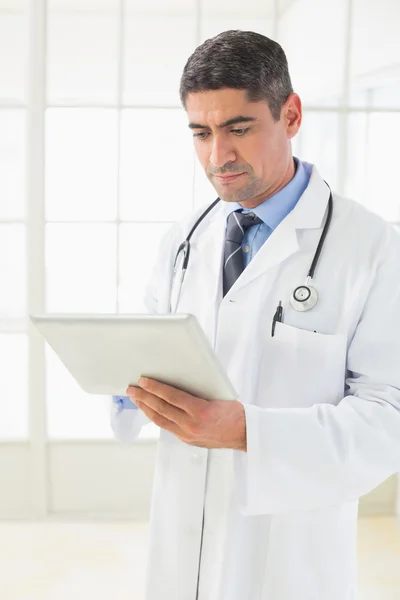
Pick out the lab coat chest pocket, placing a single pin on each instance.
(300, 368)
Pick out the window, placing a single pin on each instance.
(119, 166)
(13, 265)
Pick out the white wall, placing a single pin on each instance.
(312, 33)
(376, 41)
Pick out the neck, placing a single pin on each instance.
(275, 188)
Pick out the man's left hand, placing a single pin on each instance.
(195, 421)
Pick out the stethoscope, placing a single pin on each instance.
(303, 298)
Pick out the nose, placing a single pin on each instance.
(221, 152)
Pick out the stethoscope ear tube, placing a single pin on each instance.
(303, 298)
(323, 236)
(185, 248)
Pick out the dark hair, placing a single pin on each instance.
(242, 60)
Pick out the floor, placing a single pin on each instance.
(80, 560)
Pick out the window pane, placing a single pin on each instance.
(374, 70)
(71, 412)
(14, 386)
(387, 95)
(373, 166)
(316, 54)
(81, 164)
(317, 142)
(237, 8)
(83, 52)
(82, 5)
(158, 41)
(213, 25)
(372, 93)
(12, 271)
(157, 161)
(12, 164)
(13, 50)
(252, 15)
(283, 5)
(159, 6)
(81, 268)
(357, 144)
(139, 245)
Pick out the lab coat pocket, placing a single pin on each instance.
(300, 368)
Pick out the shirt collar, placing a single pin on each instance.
(273, 210)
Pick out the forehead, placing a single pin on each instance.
(216, 106)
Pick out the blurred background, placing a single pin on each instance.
(88, 106)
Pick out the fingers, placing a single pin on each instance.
(182, 400)
(143, 398)
(160, 420)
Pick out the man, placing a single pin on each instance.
(257, 499)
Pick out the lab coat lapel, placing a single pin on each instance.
(308, 214)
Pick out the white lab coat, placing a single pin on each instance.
(322, 410)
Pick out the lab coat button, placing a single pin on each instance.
(196, 458)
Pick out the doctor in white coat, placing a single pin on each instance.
(257, 499)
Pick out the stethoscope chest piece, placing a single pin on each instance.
(304, 298)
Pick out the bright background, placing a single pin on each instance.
(89, 111)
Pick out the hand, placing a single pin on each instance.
(195, 421)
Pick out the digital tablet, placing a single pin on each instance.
(107, 353)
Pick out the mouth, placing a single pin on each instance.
(229, 178)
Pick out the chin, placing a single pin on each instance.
(236, 196)
(227, 197)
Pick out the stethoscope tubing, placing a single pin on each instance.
(185, 245)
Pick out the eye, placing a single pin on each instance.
(202, 135)
(240, 132)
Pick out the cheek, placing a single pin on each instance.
(273, 152)
(253, 148)
(251, 153)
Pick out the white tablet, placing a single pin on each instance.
(106, 353)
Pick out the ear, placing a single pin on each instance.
(292, 113)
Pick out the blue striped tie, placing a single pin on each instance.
(237, 225)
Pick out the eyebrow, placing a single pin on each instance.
(233, 121)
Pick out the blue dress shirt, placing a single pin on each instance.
(271, 212)
(123, 402)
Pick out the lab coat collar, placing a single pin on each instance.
(308, 213)
(280, 204)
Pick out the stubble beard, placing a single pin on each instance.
(242, 194)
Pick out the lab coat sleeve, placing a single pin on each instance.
(127, 424)
(311, 458)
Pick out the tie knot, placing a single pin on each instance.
(248, 219)
(238, 223)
